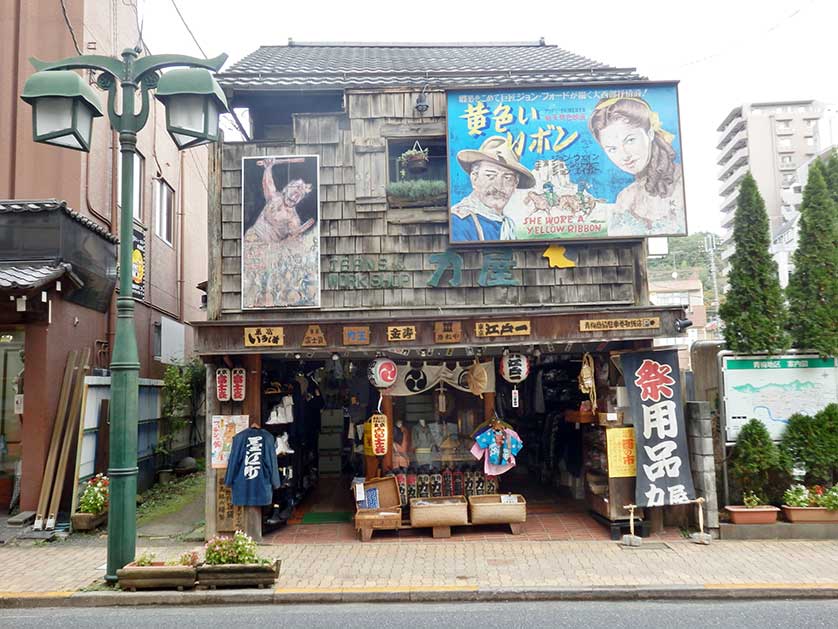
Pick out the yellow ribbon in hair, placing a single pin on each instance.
(654, 118)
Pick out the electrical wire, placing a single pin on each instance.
(70, 26)
(194, 39)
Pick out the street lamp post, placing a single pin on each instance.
(63, 107)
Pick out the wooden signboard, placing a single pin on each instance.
(448, 332)
(314, 337)
(264, 337)
(356, 335)
(401, 333)
(608, 325)
(227, 517)
(502, 328)
(622, 462)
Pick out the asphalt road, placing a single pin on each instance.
(613, 615)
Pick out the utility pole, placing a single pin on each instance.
(710, 247)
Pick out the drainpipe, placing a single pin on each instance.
(179, 225)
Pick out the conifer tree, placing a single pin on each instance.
(813, 285)
(831, 174)
(754, 310)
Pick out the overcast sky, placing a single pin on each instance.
(724, 52)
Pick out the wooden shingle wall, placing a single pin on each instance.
(355, 222)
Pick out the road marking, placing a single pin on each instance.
(762, 586)
(367, 589)
(35, 594)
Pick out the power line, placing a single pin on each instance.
(70, 26)
(194, 39)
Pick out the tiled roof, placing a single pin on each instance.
(52, 205)
(335, 65)
(34, 275)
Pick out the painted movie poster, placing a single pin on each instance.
(576, 163)
(280, 232)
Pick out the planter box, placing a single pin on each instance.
(752, 515)
(238, 575)
(440, 200)
(88, 521)
(158, 575)
(809, 514)
(489, 509)
(433, 512)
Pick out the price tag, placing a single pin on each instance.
(509, 499)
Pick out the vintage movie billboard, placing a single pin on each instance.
(280, 232)
(570, 163)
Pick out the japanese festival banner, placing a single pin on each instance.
(415, 378)
(571, 163)
(280, 232)
(663, 465)
(224, 428)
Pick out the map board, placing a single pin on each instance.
(773, 388)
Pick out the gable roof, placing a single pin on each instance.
(343, 65)
(52, 205)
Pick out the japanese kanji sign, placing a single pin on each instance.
(400, 333)
(663, 465)
(605, 325)
(314, 337)
(239, 378)
(622, 461)
(448, 332)
(264, 337)
(356, 335)
(502, 328)
(565, 163)
(376, 435)
(224, 428)
(222, 384)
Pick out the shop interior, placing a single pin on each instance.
(317, 411)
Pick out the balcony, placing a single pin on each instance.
(728, 218)
(729, 200)
(789, 165)
(734, 125)
(733, 180)
(737, 158)
(740, 138)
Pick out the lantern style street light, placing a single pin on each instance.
(64, 106)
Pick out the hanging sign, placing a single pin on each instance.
(239, 377)
(382, 373)
(502, 328)
(138, 264)
(663, 466)
(224, 428)
(516, 398)
(356, 335)
(607, 325)
(314, 337)
(413, 379)
(264, 337)
(515, 368)
(222, 384)
(622, 462)
(376, 435)
(399, 333)
(448, 332)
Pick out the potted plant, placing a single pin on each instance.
(93, 504)
(145, 574)
(417, 193)
(232, 561)
(755, 459)
(414, 160)
(810, 504)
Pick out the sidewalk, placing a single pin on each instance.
(351, 571)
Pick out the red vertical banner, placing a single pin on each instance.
(222, 384)
(239, 379)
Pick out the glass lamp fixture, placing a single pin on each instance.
(193, 101)
(63, 108)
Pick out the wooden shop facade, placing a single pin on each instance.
(353, 224)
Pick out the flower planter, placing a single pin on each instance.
(438, 200)
(238, 575)
(809, 514)
(416, 164)
(156, 576)
(88, 521)
(752, 515)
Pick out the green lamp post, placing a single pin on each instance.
(64, 106)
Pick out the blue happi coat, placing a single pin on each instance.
(252, 470)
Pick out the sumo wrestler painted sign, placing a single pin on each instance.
(280, 232)
(565, 163)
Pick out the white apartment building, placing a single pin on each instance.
(771, 140)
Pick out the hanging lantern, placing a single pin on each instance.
(376, 435)
(382, 373)
(515, 368)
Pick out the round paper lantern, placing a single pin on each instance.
(382, 373)
(515, 368)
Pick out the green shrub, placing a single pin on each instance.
(752, 500)
(756, 463)
(829, 499)
(417, 189)
(813, 443)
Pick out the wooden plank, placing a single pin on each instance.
(214, 244)
(641, 277)
(75, 499)
(57, 433)
(73, 413)
(413, 129)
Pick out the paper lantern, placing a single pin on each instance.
(376, 435)
(382, 373)
(515, 368)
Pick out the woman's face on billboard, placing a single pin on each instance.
(628, 146)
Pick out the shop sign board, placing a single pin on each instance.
(138, 264)
(563, 164)
(264, 337)
(663, 465)
(222, 384)
(376, 435)
(772, 388)
(502, 328)
(622, 461)
(239, 379)
(448, 332)
(609, 325)
(280, 232)
(224, 428)
(228, 517)
(356, 335)
(314, 337)
(400, 333)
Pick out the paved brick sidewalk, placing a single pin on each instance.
(491, 565)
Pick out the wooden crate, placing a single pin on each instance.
(437, 512)
(388, 515)
(489, 509)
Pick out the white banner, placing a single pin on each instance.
(414, 379)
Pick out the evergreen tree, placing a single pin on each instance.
(754, 310)
(831, 174)
(813, 286)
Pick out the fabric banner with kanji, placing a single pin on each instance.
(415, 378)
(663, 465)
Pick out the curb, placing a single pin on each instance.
(413, 595)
